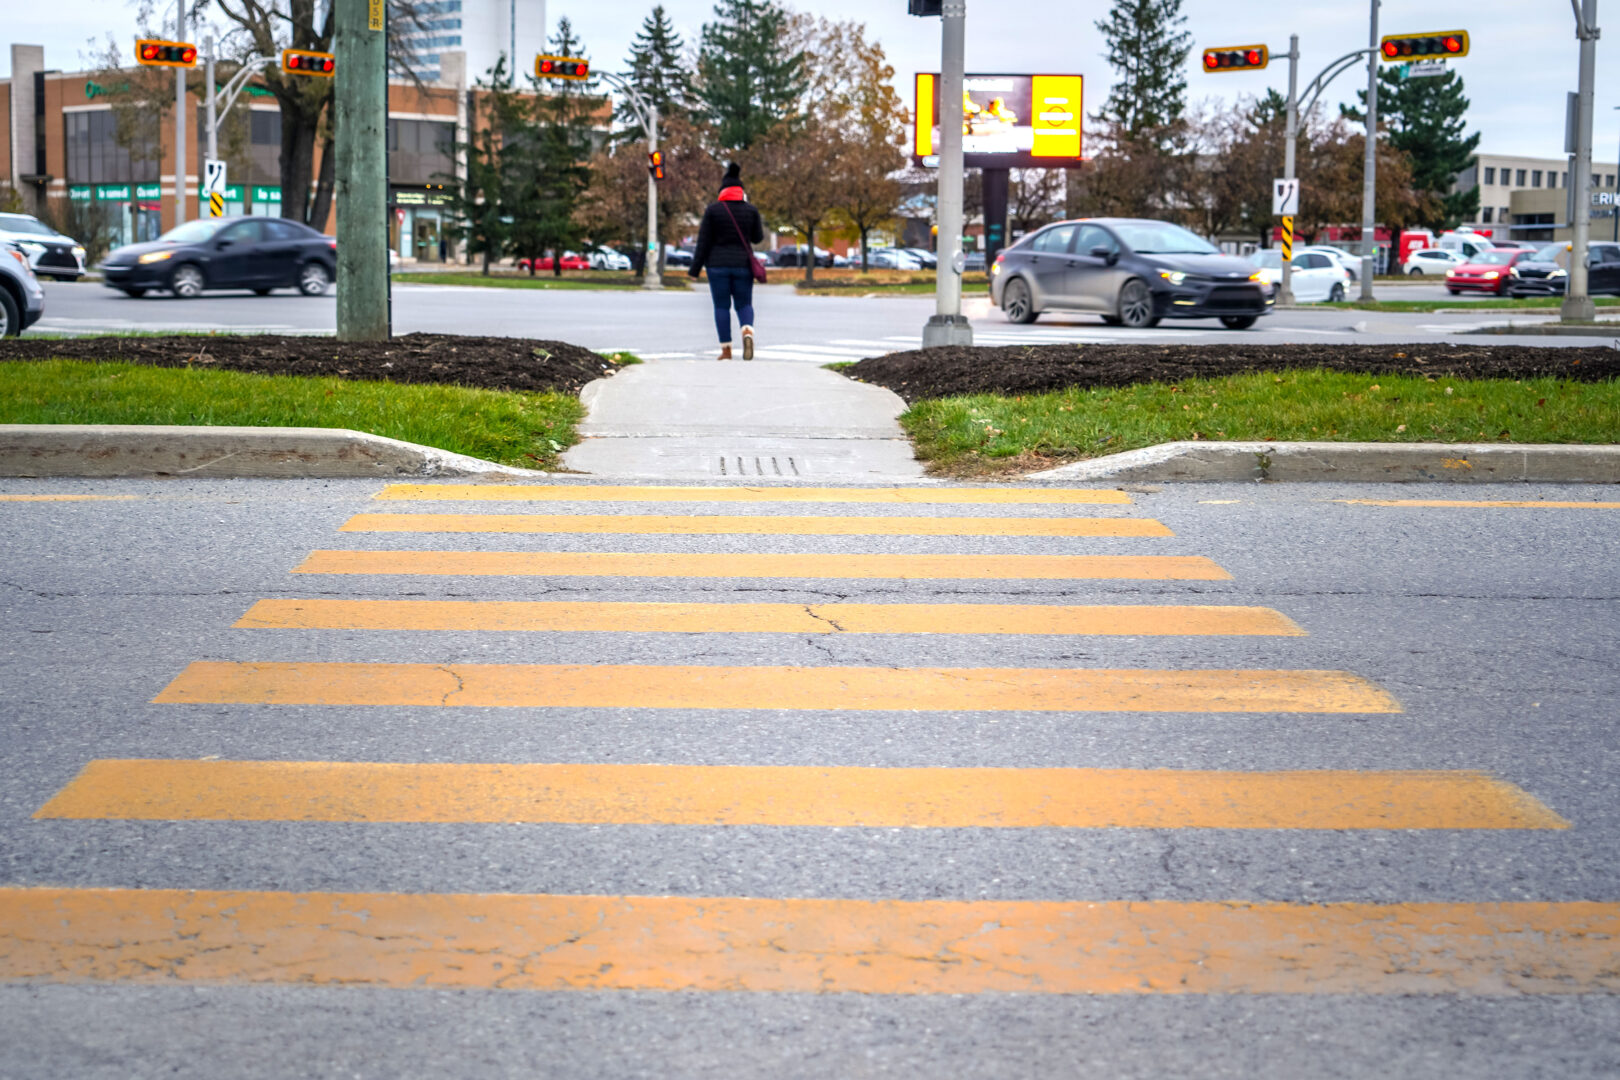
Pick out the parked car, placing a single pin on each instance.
(1516, 245)
(50, 253)
(678, 257)
(1425, 261)
(257, 253)
(1544, 273)
(1490, 271)
(929, 260)
(571, 260)
(973, 262)
(1315, 278)
(22, 300)
(798, 255)
(605, 258)
(892, 259)
(1351, 263)
(1131, 271)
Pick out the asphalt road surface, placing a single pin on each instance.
(1216, 780)
(678, 325)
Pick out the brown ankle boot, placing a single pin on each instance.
(725, 352)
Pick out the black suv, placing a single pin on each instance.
(1131, 271)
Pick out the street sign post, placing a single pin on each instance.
(213, 188)
(1285, 196)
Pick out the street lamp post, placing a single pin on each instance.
(1578, 303)
(948, 326)
(1369, 178)
(647, 113)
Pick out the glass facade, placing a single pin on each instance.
(420, 151)
(117, 175)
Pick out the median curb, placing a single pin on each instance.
(1348, 462)
(106, 450)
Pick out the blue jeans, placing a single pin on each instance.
(728, 285)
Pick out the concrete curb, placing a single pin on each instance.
(1347, 462)
(97, 450)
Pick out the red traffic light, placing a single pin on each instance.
(655, 164)
(1391, 49)
(165, 53)
(562, 67)
(1436, 46)
(306, 62)
(1453, 44)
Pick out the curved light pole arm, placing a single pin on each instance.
(1313, 90)
(647, 113)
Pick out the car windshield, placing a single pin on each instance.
(1549, 253)
(1162, 238)
(22, 223)
(1267, 260)
(192, 232)
(1495, 258)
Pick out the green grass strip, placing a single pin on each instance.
(988, 433)
(527, 430)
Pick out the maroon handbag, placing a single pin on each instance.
(755, 267)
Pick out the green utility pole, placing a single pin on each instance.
(361, 102)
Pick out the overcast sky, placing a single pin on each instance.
(1522, 63)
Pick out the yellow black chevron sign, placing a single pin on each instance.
(216, 205)
(1287, 239)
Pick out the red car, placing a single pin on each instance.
(1489, 271)
(570, 261)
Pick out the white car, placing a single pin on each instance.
(1351, 263)
(1431, 261)
(604, 258)
(51, 254)
(1315, 278)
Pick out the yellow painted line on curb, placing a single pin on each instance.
(629, 686)
(1486, 504)
(681, 618)
(921, 496)
(763, 524)
(67, 498)
(731, 944)
(995, 798)
(717, 565)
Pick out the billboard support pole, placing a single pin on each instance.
(948, 326)
(996, 183)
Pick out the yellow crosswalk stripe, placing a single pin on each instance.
(679, 618)
(935, 798)
(746, 565)
(908, 496)
(1487, 504)
(756, 525)
(630, 686)
(550, 942)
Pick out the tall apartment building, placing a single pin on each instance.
(1524, 198)
(483, 30)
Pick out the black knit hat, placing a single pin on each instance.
(733, 177)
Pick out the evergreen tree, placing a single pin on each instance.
(1147, 48)
(657, 70)
(746, 85)
(1424, 119)
(546, 170)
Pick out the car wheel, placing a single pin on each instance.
(134, 292)
(1017, 303)
(187, 282)
(1336, 294)
(1415, 272)
(1136, 306)
(313, 279)
(10, 317)
(1239, 322)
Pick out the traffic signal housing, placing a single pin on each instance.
(655, 164)
(1401, 48)
(306, 62)
(155, 53)
(562, 67)
(1237, 58)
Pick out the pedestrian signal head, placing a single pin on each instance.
(562, 67)
(655, 164)
(305, 62)
(155, 53)
(1402, 48)
(1237, 58)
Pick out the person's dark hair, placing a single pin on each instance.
(733, 177)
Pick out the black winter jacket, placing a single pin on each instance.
(718, 244)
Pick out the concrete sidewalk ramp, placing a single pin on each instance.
(673, 419)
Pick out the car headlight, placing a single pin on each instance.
(156, 256)
(1491, 275)
(79, 251)
(1557, 273)
(1174, 277)
(31, 247)
(1451, 273)
(1513, 271)
(1257, 276)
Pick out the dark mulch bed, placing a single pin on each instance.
(492, 363)
(1015, 369)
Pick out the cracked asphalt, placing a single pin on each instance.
(1498, 631)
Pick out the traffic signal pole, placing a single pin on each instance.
(948, 326)
(180, 122)
(1285, 295)
(647, 113)
(1578, 305)
(360, 102)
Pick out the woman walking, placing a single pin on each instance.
(725, 242)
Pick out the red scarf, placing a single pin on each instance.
(731, 194)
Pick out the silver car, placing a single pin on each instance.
(22, 301)
(49, 252)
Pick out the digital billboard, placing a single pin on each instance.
(1008, 121)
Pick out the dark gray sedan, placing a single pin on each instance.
(1131, 271)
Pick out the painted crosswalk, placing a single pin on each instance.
(285, 658)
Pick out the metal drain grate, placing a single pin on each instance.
(743, 465)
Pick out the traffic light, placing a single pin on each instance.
(305, 62)
(154, 53)
(562, 67)
(1399, 48)
(655, 164)
(925, 8)
(1237, 58)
